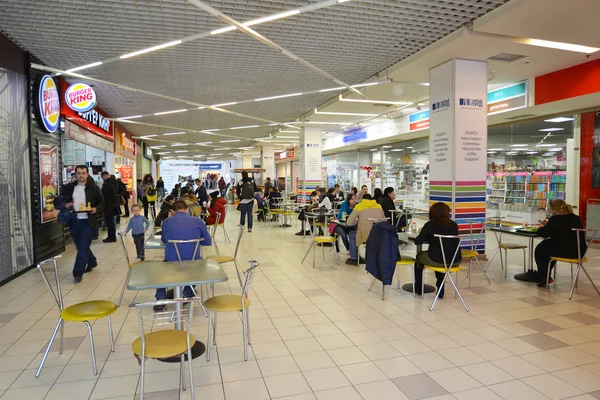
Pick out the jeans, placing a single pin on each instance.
(352, 243)
(542, 258)
(82, 234)
(138, 239)
(246, 209)
(161, 294)
(341, 232)
(109, 220)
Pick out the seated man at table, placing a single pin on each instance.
(363, 211)
(181, 226)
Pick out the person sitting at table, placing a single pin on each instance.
(337, 192)
(377, 194)
(363, 211)
(388, 205)
(192, 202)
(325, 198)
(345, 210)
(166, 209)
(439, 224)
(260, 204)
(217, 205)
(182, 226)
(559, 238)
(275, 197)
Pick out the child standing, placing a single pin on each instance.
(138, 225)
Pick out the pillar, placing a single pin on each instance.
(458, 142)
(310, 161)
(247, 161)
(267, 162)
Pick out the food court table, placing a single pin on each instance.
(154, 242)
(157, 274)
(530, 275)
(406, 238)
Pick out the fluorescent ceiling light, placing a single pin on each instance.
(556, 149)
(511, 153)
(552, 129)
(147, 136)
(173, 133)
(203, 143)
(344, 113)
(391, 103)
(531, 152)
(287, 131)
(561, 46)
(492, 152)
(209, 130)
(171, 112)
(157, 147)
(279, 97)
(326, 123)
(546, 145)
(132, 117)
(494, 149)
(354, 86)
(178, 144)
(225, 104)
(559, 119)
(150, 49)
(230, 141)
(287, 137)
(548, 154)
(374, 149)
(201, 108)
(217, 154)
(223, 148)
(409, 147)
(92, 65)
(164, 152)
(258, 21)
(245, 127)
(223, 30)
(519, 145)
(181, 151)
(387, 147)
(397, 150)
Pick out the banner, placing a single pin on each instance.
(49, 180)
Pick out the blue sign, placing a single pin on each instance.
(440, 105)
(420, 116)
(519, 89)
(353, 137)
(470, 102)
(209, 166)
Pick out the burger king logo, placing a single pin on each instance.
(80, 97)
(49, 104)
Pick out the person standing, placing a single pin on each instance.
(268, 185)
(138, 225)
(222, 185)
(201, 192)
(160, 188)
(181, 226)
(246, 195)
(281, 185)
(79, 195)
(124, 195)
(111, 199)
(148, 194)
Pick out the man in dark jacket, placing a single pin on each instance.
(124, 193)
(110, 192)
(80, 195)
(382, 252)
(201, 192)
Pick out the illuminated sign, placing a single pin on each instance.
(80, 97)
(353, 137)
(127, 144)
(419, 121)
(508, 98)
(48, 104)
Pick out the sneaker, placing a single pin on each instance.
(160, 308)
(249, 230)
(77, 279)
(107, 240)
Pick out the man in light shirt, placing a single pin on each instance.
(81, 194)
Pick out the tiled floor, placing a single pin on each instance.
(318, 334)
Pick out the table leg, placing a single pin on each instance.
(530, 275)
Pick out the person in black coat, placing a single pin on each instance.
(387, 204)
(166, 209)
(560, 239)
(439, 224)
(124, 193)
(110, 192)
(201, 192)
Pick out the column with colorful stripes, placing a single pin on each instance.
(310, 162)
(458, 143)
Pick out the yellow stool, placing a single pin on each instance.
(565, 260)
(222, 259)
(407, 261)
(322, 240)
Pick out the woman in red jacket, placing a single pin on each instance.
(217, 205)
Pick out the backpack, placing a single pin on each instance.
(247, 190)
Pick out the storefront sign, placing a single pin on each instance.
(419, 121)
(147, 151)
(95, 120)
(80, 97)
(125, 144)
(508, 98)
(81, 135)
(49, 178)
(209, 166)
(48, 105)
(355, 136)
(291, 153)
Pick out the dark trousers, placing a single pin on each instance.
(147, 205)
(422, 260)
(138, 239)
(161, 293)
(246, 209)
(126, 207)
(341, 232)
(109, 221)
(542, 258)
(82, 234)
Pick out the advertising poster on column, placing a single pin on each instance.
(49, 180)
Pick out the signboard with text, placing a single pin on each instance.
(95, 120)
(125, 144)
(49, 180)
(291, 153)
(508, 98)
(419, 121)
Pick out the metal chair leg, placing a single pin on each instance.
(458, 292)
(142, 374)
(214, 328)
(182, 372)
(372, 283)
(470, 270)
(110, 334)
(245, 334)
(248, 324)
(123, 289)
(492, 259)
(548, 274)
(58, 325)
(308, 251)
(92, 346)
(208, 345)
(62, 337)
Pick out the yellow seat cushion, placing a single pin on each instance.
(325, 239)
(276, 211)
(88, 311)
(442, 269)
(220, 259)
(226, 303)
(512, 246)
(469, 253)
(406, 261)
(163, 344)
(568, 260)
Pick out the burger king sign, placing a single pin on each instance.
(48, 104)
(80, 97)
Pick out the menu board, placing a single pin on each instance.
(49, 180)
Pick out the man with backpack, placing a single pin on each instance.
(110, 192)
(246, 195)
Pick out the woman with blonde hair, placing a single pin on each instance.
(559, 238)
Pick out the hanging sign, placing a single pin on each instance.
(48, 105)
(508, 98)
(419, 121)
(80, 97)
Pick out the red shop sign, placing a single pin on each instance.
(291, 153)
(96, 120)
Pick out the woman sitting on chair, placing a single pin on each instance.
(560, 239)
(439, 224)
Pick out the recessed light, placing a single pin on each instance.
(559, 119)
(552, 129)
